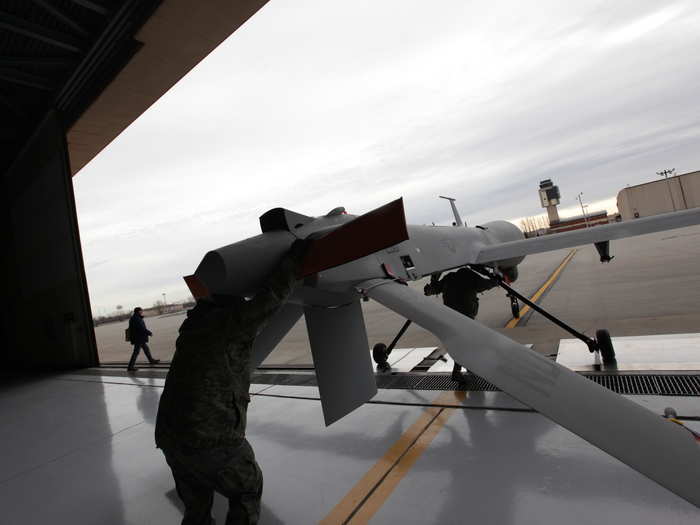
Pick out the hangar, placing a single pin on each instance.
(73, 75)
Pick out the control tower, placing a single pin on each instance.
(549, 196)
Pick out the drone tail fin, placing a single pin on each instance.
(341, 357)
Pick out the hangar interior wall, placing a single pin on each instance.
(47, 318)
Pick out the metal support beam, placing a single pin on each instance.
(43, 62)
(114, 40)
(25, 79)
(92, 6)
(59, 15)
(22, 27)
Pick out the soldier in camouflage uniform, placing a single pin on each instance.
(459, 291)
(202, 413)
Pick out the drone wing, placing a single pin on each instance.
(659, 449)
(607, 232)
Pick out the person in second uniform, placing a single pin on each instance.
(460, 291)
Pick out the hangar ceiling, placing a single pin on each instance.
(100, 63)
(60, 54)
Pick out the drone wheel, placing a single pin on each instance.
(380, 356)
(607, 352)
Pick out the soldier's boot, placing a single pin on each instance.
(241, 481)
(197, 499)
(244, 509)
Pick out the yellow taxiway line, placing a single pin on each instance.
(371, 492)
(549, 282)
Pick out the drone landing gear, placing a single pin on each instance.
(514, 306)
(607, 352)
(380, 352)
(602, 342)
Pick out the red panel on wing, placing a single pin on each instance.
(197, 287)
(369, 233)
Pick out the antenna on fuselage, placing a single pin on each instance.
(458, 219)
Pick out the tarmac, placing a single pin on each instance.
(652, 286)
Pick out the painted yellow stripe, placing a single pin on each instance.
(369, 494)
(525, 309)
(386, 488)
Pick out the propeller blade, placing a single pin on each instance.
(367, 234)
(657, 448)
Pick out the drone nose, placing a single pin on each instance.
(241, 268)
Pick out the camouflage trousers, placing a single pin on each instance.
(230, 471)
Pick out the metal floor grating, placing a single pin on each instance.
(637, 384)
(655, 385)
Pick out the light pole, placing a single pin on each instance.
(164, 302)
(583, 210)
(665, 174)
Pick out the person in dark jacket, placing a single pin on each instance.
(138, 335)
(460, 291)
(202, 419)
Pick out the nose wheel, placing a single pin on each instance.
(381, 357)
(605, 346)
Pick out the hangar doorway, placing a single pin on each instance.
(47, 319)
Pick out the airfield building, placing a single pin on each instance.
(661, 196)
(577, 222)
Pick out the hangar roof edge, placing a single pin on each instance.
(177, 36)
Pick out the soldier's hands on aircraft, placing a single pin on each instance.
(299, 249)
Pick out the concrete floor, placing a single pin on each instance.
(652, 286)
(79, 449)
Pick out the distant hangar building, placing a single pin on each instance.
(661, 196)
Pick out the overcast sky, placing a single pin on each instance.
(323, 103)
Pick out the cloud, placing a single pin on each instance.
(643, 26)
(328, 103)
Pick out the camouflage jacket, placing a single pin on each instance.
(205, 399)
